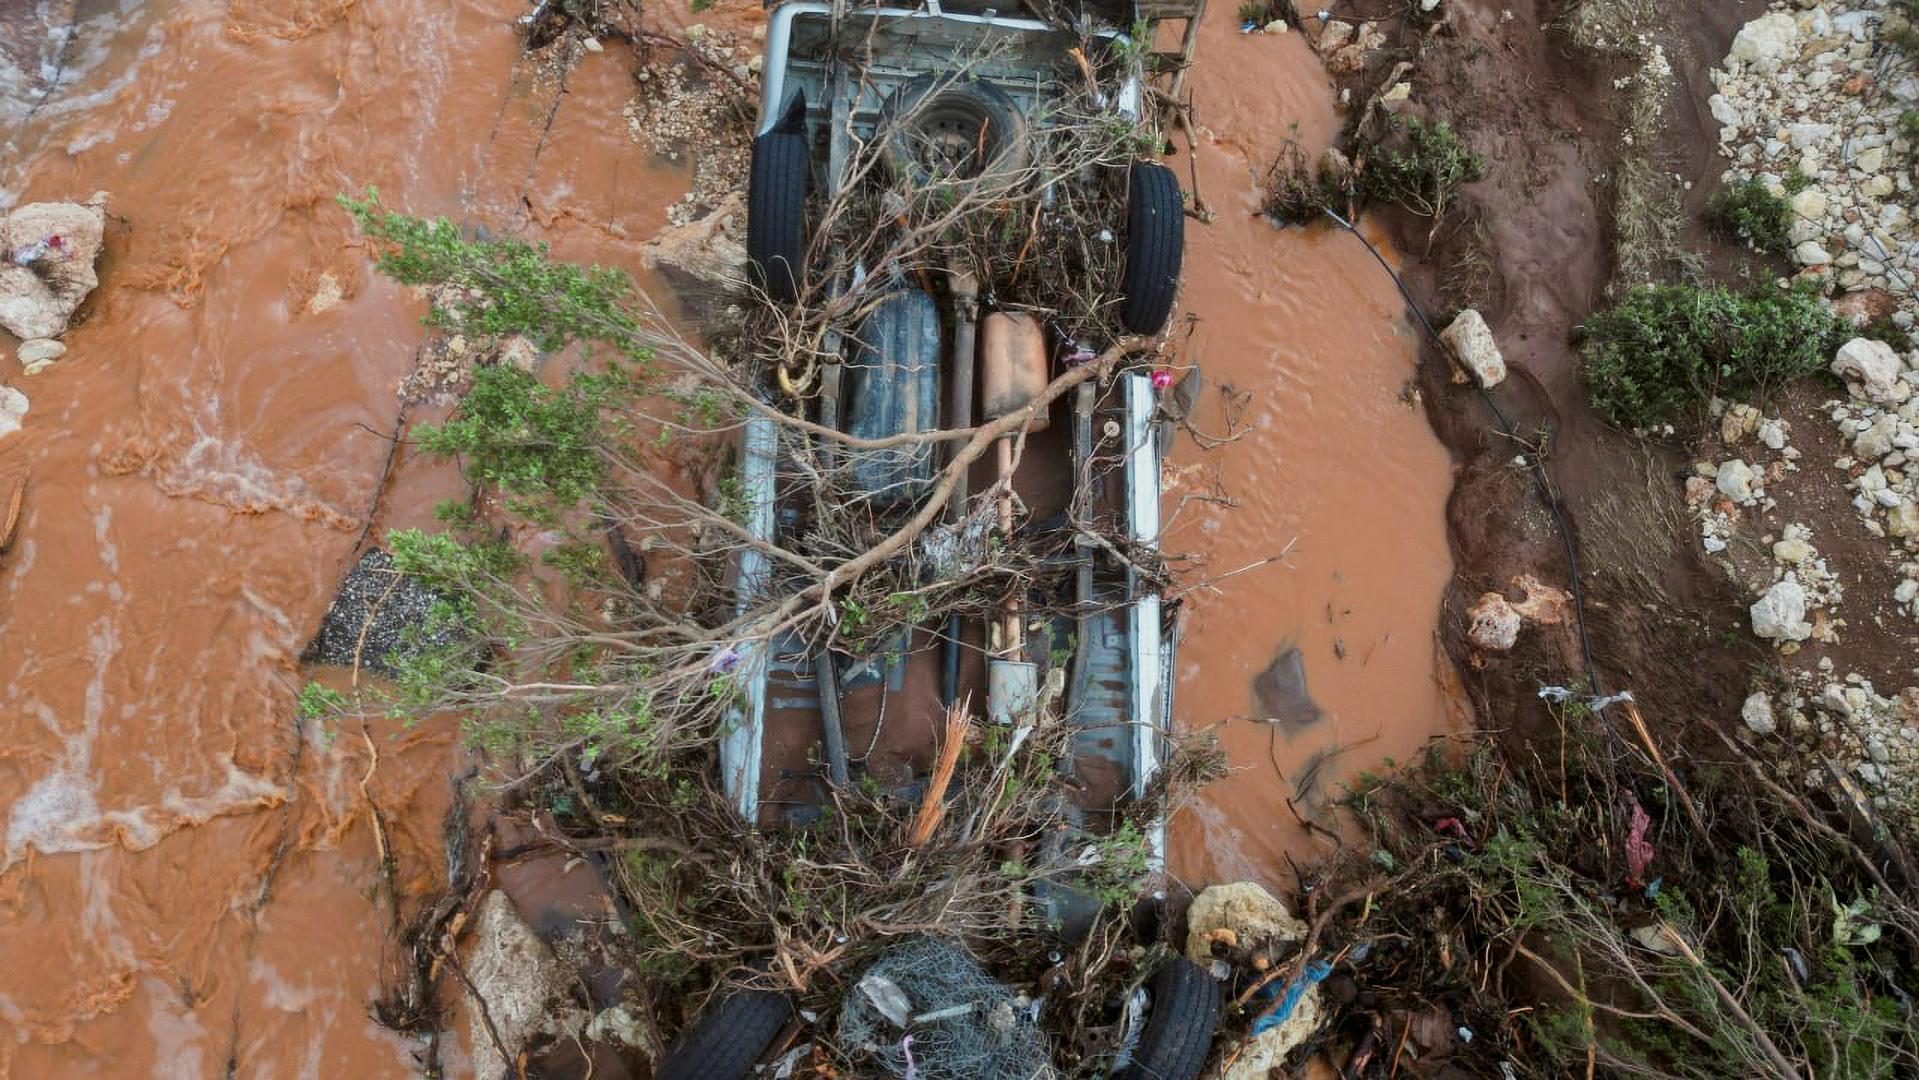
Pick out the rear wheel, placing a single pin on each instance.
(728, 1039)
(1155, 246)
(776, 214)
(1179, 1028)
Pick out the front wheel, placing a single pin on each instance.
(1155, 246)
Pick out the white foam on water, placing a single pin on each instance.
(45, 816)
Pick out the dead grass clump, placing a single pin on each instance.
(1557, 898)
(1298, 192)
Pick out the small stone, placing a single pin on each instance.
(1757, 713)
(1772, 434)
(592, 45)
(1902, 521)
(13, 408)
(1738, 422)
(1472, 342)
(1334, 35)
(1724, 111)
(1810, 203)
(1809, 253)
(520, 352)
(40, 352)
(1875, 441)
(1870, 160)
(1792, 551)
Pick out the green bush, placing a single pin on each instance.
(1750, 211)
(1664, 350)
(1421, 170)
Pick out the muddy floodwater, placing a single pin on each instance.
(1326, 664)
(188, 876)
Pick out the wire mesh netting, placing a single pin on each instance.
(926, 1010)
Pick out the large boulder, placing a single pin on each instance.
(1246, 912)
(1494, 623)
(1248, 917)
(48, 271)
(1267, 1051)
(1871, 368)
(702, 259)
(1780, 615)
(522, 986)
(1471, 340)
(1766, 41)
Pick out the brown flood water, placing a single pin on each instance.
(187, 876)
(1337, 461)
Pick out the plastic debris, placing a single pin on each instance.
(1559, 695)
(1639, 853)
(887, 998)
(1288, 1001)
(39, 249)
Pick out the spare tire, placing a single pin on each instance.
(776, 214)
(1184, 1011)
(726, 1040)
(941, 128)
(1155, 246)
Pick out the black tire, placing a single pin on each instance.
(728, 1039)
(892, 389)
(982, 126)
(776, 214)
(1179, 1028)
(1155, 245)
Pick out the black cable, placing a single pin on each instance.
(1540, 480)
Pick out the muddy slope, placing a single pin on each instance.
(1531, 246)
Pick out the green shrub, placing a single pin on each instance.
(528, 438)
(1420, 168)
(1664, 350)
(1750, 211)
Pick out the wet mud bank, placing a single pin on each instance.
(1533, 246)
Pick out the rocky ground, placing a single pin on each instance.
(1810, 100)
